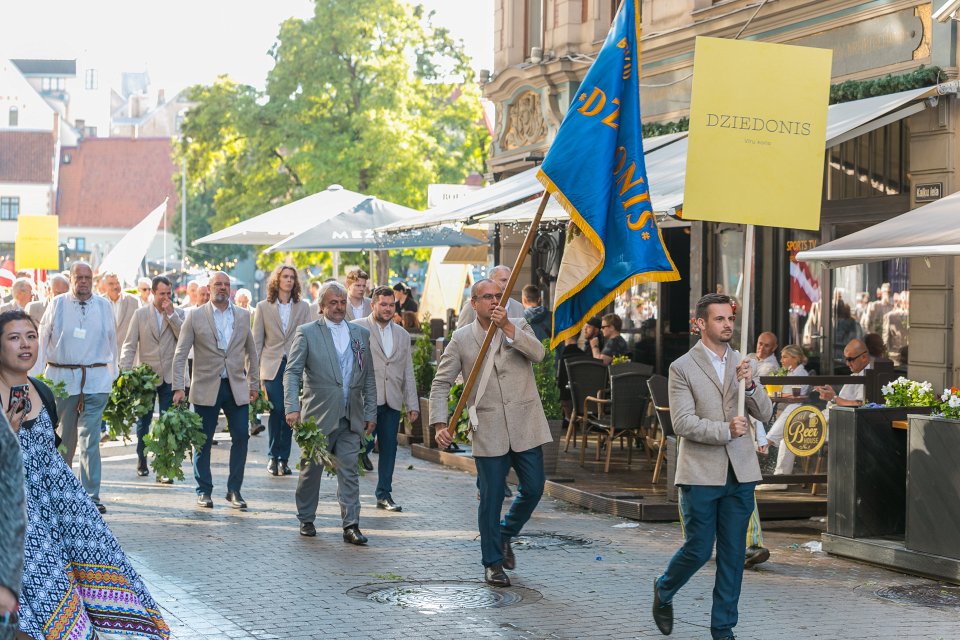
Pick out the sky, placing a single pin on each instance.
(185, 42)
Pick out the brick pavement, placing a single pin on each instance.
(226, 574)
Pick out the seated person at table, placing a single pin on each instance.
(793, 360)
(614, 345)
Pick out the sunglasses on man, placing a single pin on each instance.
(852, 358)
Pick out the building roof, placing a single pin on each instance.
(46, 67)
(114, 182)
(26, 156)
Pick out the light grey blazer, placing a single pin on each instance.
(367, 308)
(396, 385)
(510, 414)
(313, 360)
(701, 410)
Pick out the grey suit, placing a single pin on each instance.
(313, 361)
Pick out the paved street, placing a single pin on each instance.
(227, 574)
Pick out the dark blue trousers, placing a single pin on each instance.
(279, 432)
(237, 423)
(491, 476)
(164, 396)
(708, 514)
(388, 424)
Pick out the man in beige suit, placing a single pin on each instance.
(123, 304)
(152, 337)
(225, 376)
(509, 424)
(717, 467)
(396, 387)
(275, 321)
(358, 304)
(22, 291)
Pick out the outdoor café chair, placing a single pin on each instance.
(586, 378)
(624, 415)
(660, 396)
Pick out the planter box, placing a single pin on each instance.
(426, 431)
(551, 450)
(867, 471)
(933, 486)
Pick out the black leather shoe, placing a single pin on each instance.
(257, 429)
(101, 508)
(388, 504)
(284, 469)
(353, 536)
(728, 638)
(272, 467)
(204, 500)
(163, 480)
(366, 462)
(495, 577)
(509, 559)
(307, 529)
(237, 502)
(142, 467)
(662, 613)
(755, 555)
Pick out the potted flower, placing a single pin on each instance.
(908, 393)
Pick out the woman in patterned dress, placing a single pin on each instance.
(77, 582)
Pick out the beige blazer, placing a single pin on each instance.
(396, 384)
(12, 306)
(268, 335)
(36, 310)
(510, 414)
(155, 346)
(313, 361)
(367, 309)
(314, 311)
(701, 410)
(128, 306)
(199, 332)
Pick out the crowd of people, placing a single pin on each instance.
(341, 361)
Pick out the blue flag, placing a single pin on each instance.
(596, 171)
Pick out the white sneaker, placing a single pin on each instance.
(772, 487)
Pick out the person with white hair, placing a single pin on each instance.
(242, 299)
(501, 275)
(22, 291)
(192, 291)
(144, 289)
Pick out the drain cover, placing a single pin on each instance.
(444, 596)
(927, 595)
(549, 540)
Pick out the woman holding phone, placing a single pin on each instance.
(100, 594)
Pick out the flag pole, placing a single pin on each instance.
(744, 313)
(492, 329)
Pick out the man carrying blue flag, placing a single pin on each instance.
(596, 171)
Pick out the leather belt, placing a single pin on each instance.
(83, 376)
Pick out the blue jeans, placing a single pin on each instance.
(164, 396)
(491, 475)
(237, 422)
(279, 432)
(388, 425)
(708, 513)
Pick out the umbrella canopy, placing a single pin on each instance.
(290, 219)
(354, 230)
(930, 230)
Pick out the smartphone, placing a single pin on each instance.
(20, 399)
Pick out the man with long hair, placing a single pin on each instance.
(275, 320)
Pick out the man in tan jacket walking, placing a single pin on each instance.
(507, 414)
(717, 467)
(225, 376)
(396, 387)
(153, 333)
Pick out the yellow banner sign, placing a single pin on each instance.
(37, 243)
(758, 127)
(805, 431)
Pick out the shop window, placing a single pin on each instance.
(9, 207)
(14, 117)
(870, 165)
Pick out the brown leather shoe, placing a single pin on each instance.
(509, 559)
(495, 577)
(755, 555)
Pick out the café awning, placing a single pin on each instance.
(930, 230)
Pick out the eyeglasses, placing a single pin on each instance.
(488, 297)
(852, 358)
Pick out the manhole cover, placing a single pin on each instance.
(549, 540)
(927, 595)
(444, 596)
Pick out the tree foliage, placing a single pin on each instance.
(368, 95)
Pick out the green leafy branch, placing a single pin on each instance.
(260, 405)
(178, 431)
(131, 397)
(59, 389)
(313, 444)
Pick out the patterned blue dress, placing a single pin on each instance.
(77, 582)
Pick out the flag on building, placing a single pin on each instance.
(595, 169)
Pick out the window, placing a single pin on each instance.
(534, 25)
(14, 116)
(9, 207)
(51, 84)
(873, 164)
(91, 79)
(77, 244)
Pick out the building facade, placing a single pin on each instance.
(543, 49)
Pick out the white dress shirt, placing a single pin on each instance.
(386, 337)
(719, 363)
(284, 308)
(341, 335)
(224, 323)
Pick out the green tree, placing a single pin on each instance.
(364, 94)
